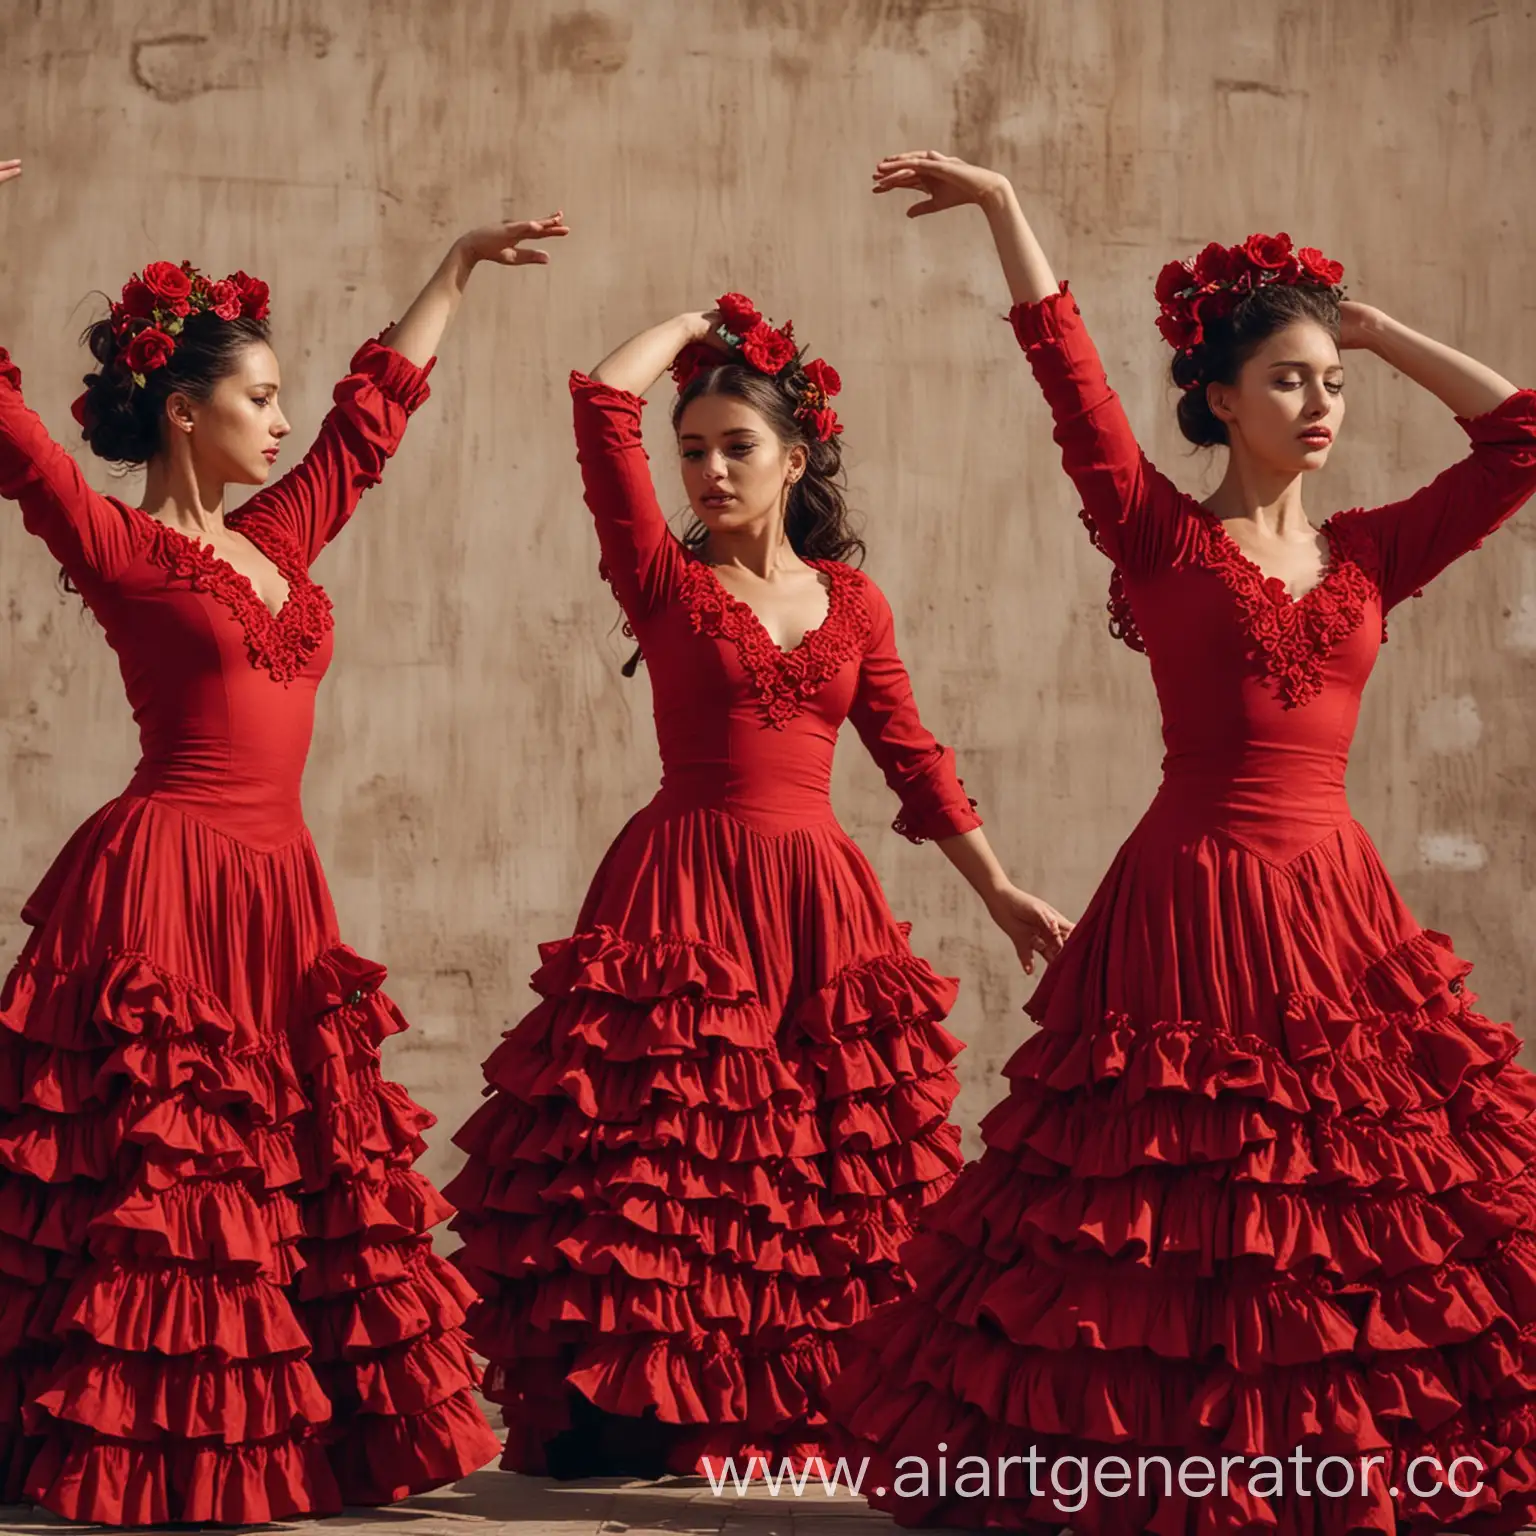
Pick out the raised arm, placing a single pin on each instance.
(1135, 515)
(636, 364)
(87, 534)
(420, 330)
(934, 805)
(385, 384)
(1418, 537)
(639, 551)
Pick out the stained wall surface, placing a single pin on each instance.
(477, 747)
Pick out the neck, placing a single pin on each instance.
(765, 551)
(1258, 494)
(175, 493)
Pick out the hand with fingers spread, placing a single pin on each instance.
(9, 168)
(946, 181)
(502, 243)
(1034, 926)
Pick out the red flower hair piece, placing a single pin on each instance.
(156, 303)
(751, 341)
(1192, 293)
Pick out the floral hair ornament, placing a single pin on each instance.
(154, 308)
(752, 342)
(1211, 285)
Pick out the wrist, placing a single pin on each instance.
(999, 199)
(460, 260)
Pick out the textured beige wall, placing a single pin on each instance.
(476, 747)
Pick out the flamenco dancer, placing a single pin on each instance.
(701, 1151)
(217, 1298)
(1261, 1183)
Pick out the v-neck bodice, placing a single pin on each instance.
(222, 688)
(1260, 691)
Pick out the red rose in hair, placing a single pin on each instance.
(147, 351)
(254, 295)
(1180, 331)
(1212, 304)
(1219, 264)
(738, 313)
(694, 358)
(167, 282)
(224, 299)
(1172, 280)
(1268, 251)
(768, 350)
(823, 423)
(137, 303)
(1319, 267)
(1289, 270)
(823, 376)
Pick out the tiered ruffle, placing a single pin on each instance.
(692, 1174)
(1307, 1219)
(230, 1311)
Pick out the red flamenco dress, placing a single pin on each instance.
(217, 1301)
(1262, 1179)
(701, 1151)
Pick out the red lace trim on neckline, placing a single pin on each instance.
(1291, 637)
(280, 643)
(784, 680)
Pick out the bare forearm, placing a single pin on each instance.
(419, 332)
(1025, 267)
(1468, 387)
(972, 855)
(637, 363)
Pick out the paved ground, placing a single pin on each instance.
(532, 1506)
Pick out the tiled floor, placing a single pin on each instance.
(499, 1501)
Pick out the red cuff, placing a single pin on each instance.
(930, 823)
(1511, 421)
(1046, 320)
(392, 374)
(9, 372)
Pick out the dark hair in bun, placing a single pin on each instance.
(1230, 340)
(124, 422)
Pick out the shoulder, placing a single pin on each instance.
(1354, 536)
(855, 584)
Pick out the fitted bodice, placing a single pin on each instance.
(1259, 692)
(743, 725)
(222, 689)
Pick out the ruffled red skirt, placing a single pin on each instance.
(1262, 1181)
(701, 1151)
(217, 1299)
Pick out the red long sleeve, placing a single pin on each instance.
(1137, 516)
(640, 552)
(314, 500)
(1417, 538)
(920, 771)
(87, 533)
